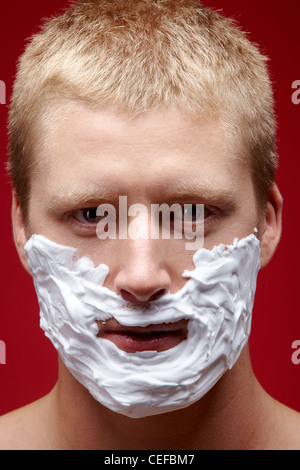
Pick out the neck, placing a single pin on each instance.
(231, 416)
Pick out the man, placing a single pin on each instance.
(161, 102)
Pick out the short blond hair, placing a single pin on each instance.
(138, 55)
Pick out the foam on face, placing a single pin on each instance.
(217, 301)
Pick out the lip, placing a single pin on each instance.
(156, 337)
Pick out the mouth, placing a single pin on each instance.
(159, 337)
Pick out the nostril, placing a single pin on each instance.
(127, 295)
(157, 294)
(135, 297)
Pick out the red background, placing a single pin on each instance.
(31, 369)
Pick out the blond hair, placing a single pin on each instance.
(138, 55)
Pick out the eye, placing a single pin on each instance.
(87, 216)
(195, 212)
(189, 219)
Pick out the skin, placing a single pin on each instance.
(91, 157)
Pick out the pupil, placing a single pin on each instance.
(90, 214)
(192, 213)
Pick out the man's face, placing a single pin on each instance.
(93, 157)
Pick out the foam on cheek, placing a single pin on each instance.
(217, 299)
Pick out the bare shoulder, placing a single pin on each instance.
(286, 435)
(21, 429)
(292, 420)
(12, 427)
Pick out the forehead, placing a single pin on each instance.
(157, 151)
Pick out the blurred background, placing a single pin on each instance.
(31, 363)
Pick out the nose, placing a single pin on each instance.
(142, 275)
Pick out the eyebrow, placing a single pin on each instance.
(84, 195)
(205, 192)
(91, 195)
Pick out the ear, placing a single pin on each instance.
(19, 231)
(272, 226)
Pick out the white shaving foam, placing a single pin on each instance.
(217, 299)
